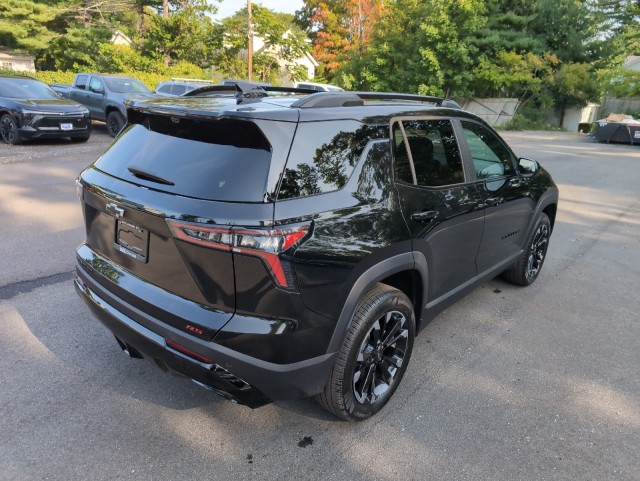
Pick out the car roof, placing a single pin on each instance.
(293, 105)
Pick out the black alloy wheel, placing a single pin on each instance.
(537, 251)
(9, 130)
(115, 122)
(373, 357)
(527, 268)
(381, 355)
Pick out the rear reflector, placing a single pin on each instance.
(188, 352)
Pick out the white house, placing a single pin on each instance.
(632, 63)
(17, 62)
(307, 61)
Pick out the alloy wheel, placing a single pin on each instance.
(8, 130)
(537, 251)
(380, 357)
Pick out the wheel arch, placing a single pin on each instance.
(406, 272)
(111, 107)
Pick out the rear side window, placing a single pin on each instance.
(222, 160)
(81, 81)
(323, 156)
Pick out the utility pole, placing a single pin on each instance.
(250, 43)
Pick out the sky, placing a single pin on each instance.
(229, 7)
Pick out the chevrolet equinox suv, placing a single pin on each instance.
(269, 243)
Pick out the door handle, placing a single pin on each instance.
(426, 216)
(493, 201)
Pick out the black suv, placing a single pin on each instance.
(270, 245)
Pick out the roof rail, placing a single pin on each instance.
(439, 101)
(247, 92)
(351, 99)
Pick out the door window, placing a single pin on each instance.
(426, 153)
(490, 156)
(96, 85)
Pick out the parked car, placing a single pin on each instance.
(29, 109)
(230, 81)
(179, 86)
(318, 87)
(104, 96)
(283, 246)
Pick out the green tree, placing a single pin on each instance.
(420, 46)
(25, 25)
(186, 34)
(283, 44)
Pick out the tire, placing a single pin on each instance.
(363, 379)
(9, 130)
(115, 122)
(526, 269)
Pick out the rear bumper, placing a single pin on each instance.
(236, 376)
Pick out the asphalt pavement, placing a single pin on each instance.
(537, 383)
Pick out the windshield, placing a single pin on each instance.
(26, 89)
(126, 85)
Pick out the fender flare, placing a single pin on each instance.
(391, 265)
(550, 197)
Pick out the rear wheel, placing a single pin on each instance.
(9, 130)
(115, 122)
(525, 271)
(373, 356)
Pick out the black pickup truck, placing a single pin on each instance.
(104, 96)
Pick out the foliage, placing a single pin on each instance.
(437, 59)
(624, 83)
(25, 24)
(186, 34)
(284, 43)
(513, 75)
(339, 29)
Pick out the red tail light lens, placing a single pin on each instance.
(262, 243)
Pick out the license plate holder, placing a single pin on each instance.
(132, 240)
(66, 126)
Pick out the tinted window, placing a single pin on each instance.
(126, 85)
(165, 89)
(434, 151)
(323, 156)
(225, 160)
(81, 81)
(178, 89)
(490, 157)
(26, 89)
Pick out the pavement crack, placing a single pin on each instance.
(12, 290)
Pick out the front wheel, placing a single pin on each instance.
(373, 356)
(9, 130)
(115, 122)
(526, 269)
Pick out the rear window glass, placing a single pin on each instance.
(224, 160)
(323, 156)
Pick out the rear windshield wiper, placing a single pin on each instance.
(141, 174)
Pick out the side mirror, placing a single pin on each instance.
(98, 90)
(527, 167)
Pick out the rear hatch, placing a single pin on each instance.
(159, 203)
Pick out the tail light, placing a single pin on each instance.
(267, 244)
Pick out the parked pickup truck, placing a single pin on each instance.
(104, 96)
